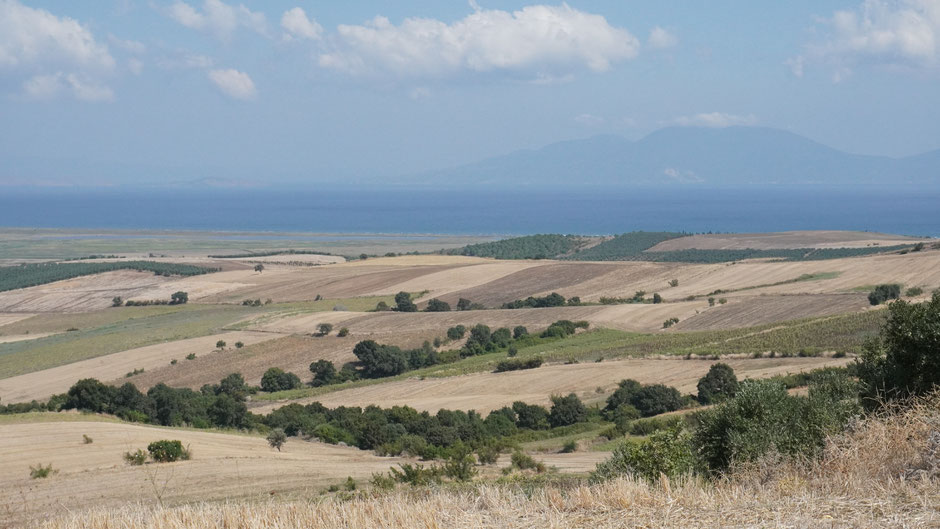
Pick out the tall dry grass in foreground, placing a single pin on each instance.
(883, 473)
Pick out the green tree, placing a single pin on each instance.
(883, 293)
(259, 268)
(656, 399)
(324, 372)
(277, 438)
(519, 331)
(179, 298)
(718, 384)
(566, 410)
(403, 302)
(436, 305)
(463, 304)
(666, 453)
(234, 386)
(117, 301)
(905, 358)
(276, 379)
(220, 344)
(380, 360)
(324, 328)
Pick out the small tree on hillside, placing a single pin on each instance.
(179, 298)
(404, 304)
(463, 304)
(117, 301)
(324, 328)
(718, 384)
(259, 268)
(436, 305)
(220, 344)
(277, 438)
(566, 410)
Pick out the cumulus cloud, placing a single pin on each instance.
(235, 84)
(50, 86)
(661, 39)
(54, 54)
(715, 120)
(218, 18)
(30, 37)
(296, 25)
(890, 32)
(183, 60)
(537, 42)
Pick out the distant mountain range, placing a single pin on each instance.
(689, 156)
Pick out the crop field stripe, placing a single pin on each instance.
(30, 275)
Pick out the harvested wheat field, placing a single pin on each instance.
(81, 294)
(40, 385)
(485, 392)
(855, 484)
(290, 259)
(6, 319)
(223, 466)
(784, 240)
(631, 317)
(748, 311)
(23, 337)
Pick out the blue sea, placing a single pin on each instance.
(477, 212)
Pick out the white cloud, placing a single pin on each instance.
(50, 86)
(136, 66)
(891, 32)
(715, 120)
(661, 39)
(796, 65)
(537, 41)
(297, 26)
(682, 176)
(235, 84)
(30, 37)
(218, 18)
(130, 46)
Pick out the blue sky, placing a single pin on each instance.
(161, 91)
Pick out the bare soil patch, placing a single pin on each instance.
(80, 294)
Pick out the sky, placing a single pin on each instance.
(157, 92)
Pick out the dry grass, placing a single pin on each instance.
(858, 483)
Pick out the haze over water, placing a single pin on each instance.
(476, 212)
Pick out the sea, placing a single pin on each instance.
(356, 212)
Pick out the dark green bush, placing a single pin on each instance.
(516, 364)
(566, 410)
(883, 293)
(718, 384)
(276, 379)
(166, 451)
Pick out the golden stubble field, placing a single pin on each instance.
(223, 466)
(485, 392)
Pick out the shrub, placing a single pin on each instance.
(276, 438)
(324, 328)
(117, 301)
(883, 293)
(657, 298)
(666, 453)
(566, 410)
(904, 359)
(343, 332)
(488, 455)
(166, 451)
(381, 306)
(403, 303)
(673, 282)
(324, 372)
(763, 418)
(913, 292)
(722, 301)
(135, 458)
(519, 331)
(276, 379)
(711, 302)
(623, 394)
(220, 344)
(380, 360)
(656, 399)
(670, 322)
(191, 356)
(569, 447)
(39, 471)
(718, 384)
(239, 345)
(383, 481)
(622, 416)
(463, 304)
(523, 461)
(652, 425)
(459, 467)
(530, 416)
(456, 333)
(516, 364)
(87, 440)
(415, 475)
(436, 305)
(179, 298)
